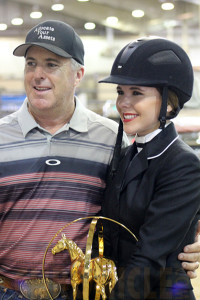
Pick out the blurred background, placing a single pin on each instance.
(105, 26)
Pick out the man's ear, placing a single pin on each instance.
(79, 75)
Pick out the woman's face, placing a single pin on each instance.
(139, 108)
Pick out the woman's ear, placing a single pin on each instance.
(169, 108)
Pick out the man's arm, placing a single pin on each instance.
(191, 255)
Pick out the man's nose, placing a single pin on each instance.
(39, 72)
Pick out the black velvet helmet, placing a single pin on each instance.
(155, 62)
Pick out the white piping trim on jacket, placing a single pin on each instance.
(163, 150)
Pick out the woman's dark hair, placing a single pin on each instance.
(173, 101)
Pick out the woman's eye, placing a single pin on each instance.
(136, 93)
(120, 92)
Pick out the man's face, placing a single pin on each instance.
(49, 82)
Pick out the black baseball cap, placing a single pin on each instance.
(55, 36)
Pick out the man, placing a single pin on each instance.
(54, 158)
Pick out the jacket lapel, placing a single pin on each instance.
(133, 165)
(124, 164)
(136, 166)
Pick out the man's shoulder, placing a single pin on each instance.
(101, 126)
(8, 119)
(103, 121)
(108, 125)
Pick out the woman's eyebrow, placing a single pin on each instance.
(136, 88)
(131, 88)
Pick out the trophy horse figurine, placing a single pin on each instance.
(101, 270)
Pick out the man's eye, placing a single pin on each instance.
(30, 63)
(52, 65)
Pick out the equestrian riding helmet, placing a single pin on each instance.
(155, 62)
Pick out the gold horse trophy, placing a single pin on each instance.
(84, 269)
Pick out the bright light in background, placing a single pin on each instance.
(89, 26)
(198, 140)
(17, 21)
(170, 23)
(82, 0)
(57, 7)
(112, 21)
(3, 26)
(36, 14)
(138, 13)
(167, 6)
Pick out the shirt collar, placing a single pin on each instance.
(78, 121)
(147, 138)
(26, 121)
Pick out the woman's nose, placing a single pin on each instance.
(124, 102)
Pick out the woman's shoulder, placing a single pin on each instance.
(179, 158)
(184, 150)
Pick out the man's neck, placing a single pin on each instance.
(52, 122)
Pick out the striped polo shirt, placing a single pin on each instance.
(47, 181)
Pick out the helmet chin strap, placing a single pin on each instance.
(117, 149)
(163, 109)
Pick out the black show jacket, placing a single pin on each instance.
(156, 194)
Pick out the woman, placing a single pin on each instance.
(154, 186)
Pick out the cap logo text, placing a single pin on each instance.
(44, 32)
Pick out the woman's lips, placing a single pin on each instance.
(127, 117)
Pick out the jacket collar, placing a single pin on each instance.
(161, 142)
(134, 163)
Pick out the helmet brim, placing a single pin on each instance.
(124, 80)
